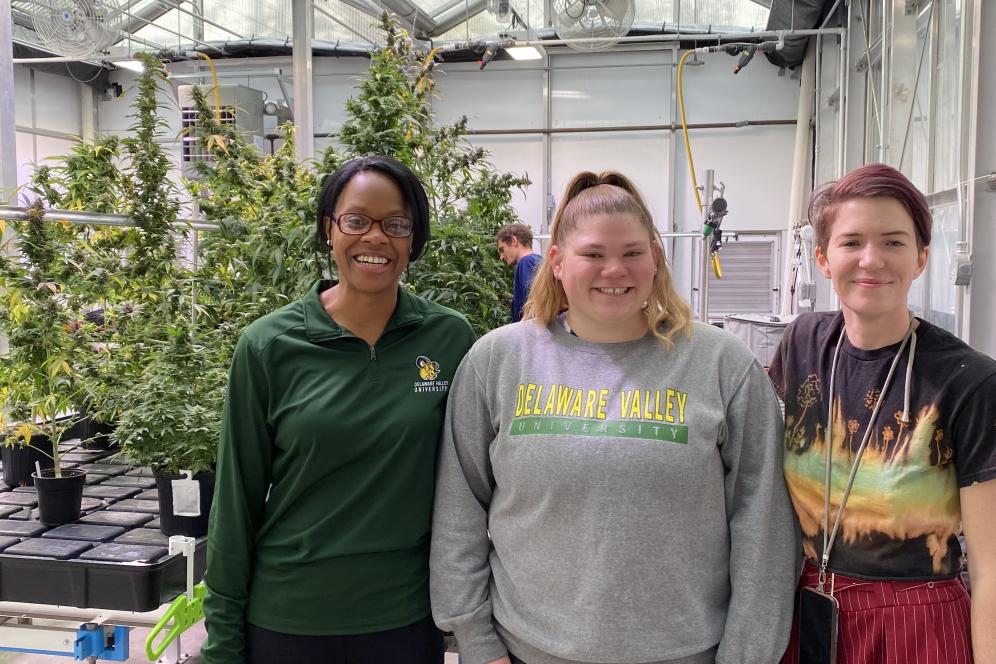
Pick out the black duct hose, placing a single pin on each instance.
(794, 15)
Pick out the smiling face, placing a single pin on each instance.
(371, 263)
(872, 259)
(606, 267)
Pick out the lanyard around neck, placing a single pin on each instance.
(829, 536)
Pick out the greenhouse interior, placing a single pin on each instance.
(497, 331)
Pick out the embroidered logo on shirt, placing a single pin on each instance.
(428, 373)
(427, 369)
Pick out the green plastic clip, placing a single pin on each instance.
(184, 614)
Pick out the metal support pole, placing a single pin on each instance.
(548, 196)
(303, 19)
(707, 190)
(8, 134)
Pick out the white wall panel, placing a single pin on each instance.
(522, 155)
(505, 95)
(57, 103)
(622, 92)
(48, 148)
(335, 81)
(25, 146)
(713, 93)
(640, 156)
(755, 164)
(22, 96)
(115, 114)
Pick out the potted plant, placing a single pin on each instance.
(36, 378)
(171, 421)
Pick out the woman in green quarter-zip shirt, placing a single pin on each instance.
(319, 537)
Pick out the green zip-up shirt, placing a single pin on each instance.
(320, 522)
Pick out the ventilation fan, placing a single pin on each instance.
(77, 28)
(605, 21)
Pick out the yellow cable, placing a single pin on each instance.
(684, 129)
(217, 94)
(717, 269)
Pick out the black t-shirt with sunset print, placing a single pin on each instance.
(903, 514)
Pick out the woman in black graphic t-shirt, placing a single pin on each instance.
(924, 440)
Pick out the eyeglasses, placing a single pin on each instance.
(353, 223)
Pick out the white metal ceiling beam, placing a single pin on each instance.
(450, 18)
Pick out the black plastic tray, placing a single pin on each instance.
(97, 584)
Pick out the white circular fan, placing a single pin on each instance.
(77, 28)
(603, 20)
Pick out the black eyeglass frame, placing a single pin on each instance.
(338, 222)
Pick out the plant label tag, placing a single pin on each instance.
(186, 496)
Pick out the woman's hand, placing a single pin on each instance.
(501, 660)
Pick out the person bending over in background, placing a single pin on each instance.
(623, 459)
(909, 411)
(515, 247)
(319, 534)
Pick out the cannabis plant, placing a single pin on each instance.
(36, 376)
(469, 200)
(171, 420)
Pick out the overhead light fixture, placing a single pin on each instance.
(524, 52)
(131, 65)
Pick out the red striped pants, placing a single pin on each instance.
(896, 622)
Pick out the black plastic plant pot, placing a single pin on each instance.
(190, 526)
(96, 435)
(19, 460)
(59, 498)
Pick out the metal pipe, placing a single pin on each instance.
(304, 120)
(706, 244)
(694, 37)
(48, 133)
(842, 81)
(829, 14)
(596, 130)
(797, 190)
(660, 127)
(885, 81)
(549, 202)
(11, 213)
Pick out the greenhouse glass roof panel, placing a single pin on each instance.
(172, 23)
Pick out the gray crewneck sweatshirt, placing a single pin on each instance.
(633, 495)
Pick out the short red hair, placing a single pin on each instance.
(869, 181)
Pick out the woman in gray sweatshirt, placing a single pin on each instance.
(609, 485)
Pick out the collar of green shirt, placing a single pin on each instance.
(319, 326)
